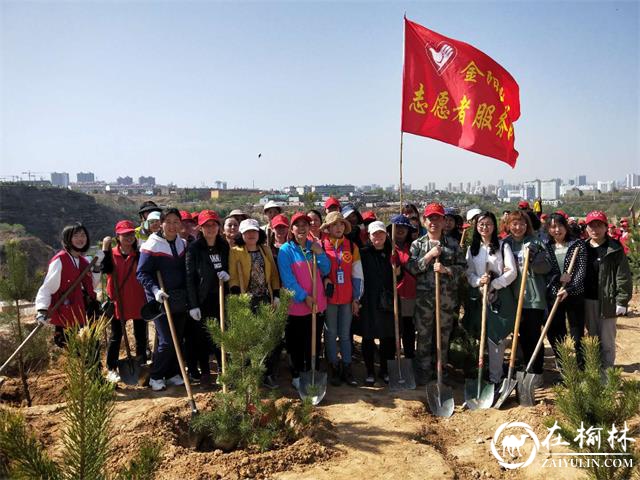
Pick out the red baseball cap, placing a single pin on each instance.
(433, 209)
(544, 216)
(184, 215)
(194, 216)
(331, 202)
(280, 221)
(596, 215)
(523, 204)
(562, 212)
(205, 215)
(125, 226)
(300, 216)
(369, 216)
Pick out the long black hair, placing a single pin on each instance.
(561, 219)
(67, 235)
(317, 212)
(476, 240)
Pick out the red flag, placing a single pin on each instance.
(456, 94)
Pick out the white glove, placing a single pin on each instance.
(42, 317)
(195, 314)
(224, 276)
(100, 255)
(161, 296)
(276, 302)
(620, 310)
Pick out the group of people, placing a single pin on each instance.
(189, 259)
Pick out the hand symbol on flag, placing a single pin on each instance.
(442, 57)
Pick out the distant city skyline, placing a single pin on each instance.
(195, 91)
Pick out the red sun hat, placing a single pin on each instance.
(300, 216)
(369, 216)
(523, 204)
(205, 215)
(125, 226)
(596, 215)
(280, 221)
(331, 202)
(433, 209)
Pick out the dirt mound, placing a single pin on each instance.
(46, 389)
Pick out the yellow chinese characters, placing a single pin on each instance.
(440, 108)
(495, 83)
(461, 110)
(483, 117)
(471, 71)
(502, 127)
(418, 104)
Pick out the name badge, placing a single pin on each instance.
(340, 276)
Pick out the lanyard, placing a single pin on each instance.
(338, 252)
(307, 262)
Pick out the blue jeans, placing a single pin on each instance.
(338, 325)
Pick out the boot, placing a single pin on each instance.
(347, 375)
(334, 375)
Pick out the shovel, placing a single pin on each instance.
(313, 385)
(478, 393)
(439, 396)
(39, 325)
(176, 346)
(129, 369)
(223, 366)
(400, 370)
(527, 381)
(509, 383)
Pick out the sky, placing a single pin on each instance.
(192, 92)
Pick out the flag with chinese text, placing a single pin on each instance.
(456, 94)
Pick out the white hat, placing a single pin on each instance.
(472, 213)
(249, 224)
(376, 226)
(155, 215)
(271, 204)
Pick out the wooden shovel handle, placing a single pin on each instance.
(516, 327)
(223, 353)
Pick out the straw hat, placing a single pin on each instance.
(335, 217)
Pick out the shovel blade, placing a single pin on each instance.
(401, 376)
(313, 387)
(129, 371)
(440, 399)
(526, 388)
(471, 398)
(508, 385)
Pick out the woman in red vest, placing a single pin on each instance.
(343, 287)
(64, 268)
(120, 265)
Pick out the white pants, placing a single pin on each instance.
(496, 360)
(604, 329)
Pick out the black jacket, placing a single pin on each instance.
(575, 287)
(377, 300)
(202, 274)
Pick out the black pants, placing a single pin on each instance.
(530, 330)
(198, 346)
(571, 309)
(165, 362)
(408, 337)
(387, 352)
(113, 351)
(298, 342)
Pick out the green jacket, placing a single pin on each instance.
(535, 296)
(615, 284)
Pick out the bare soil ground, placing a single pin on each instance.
(368, 433)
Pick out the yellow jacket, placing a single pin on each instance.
(240, 262)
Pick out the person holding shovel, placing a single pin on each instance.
(608, 285)
(560, 246)
(164, 252)
(343, 287)
(521, 234)
(253, 271)
(120, 265)
(207, 263)
(490, 262)
(376, 314)
(295, 263)
(434, 252)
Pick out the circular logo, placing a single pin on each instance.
(511, 444)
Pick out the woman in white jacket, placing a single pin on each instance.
(490, 261)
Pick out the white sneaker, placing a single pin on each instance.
(296, 383)
(157, 385)
(175, 380)
(113, 376)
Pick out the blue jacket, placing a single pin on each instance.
(156, 256)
